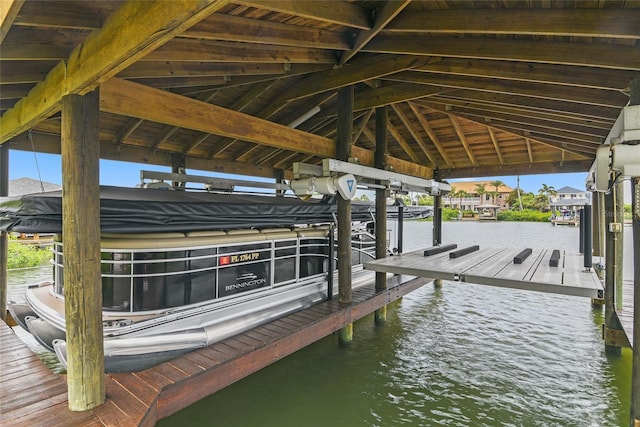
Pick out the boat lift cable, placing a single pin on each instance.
(33, 148)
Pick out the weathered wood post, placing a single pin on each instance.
(343, 151)
(597, 198)
(81, 239)
(4, 239)
(381, 206)
(635, 210)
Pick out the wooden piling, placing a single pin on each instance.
(4, 239)
(343, 152)
(81, 237)
(381, 206)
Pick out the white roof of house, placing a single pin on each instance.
(22, 186)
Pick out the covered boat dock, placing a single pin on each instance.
(436, 90)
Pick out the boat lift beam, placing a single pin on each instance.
(219, 184)
(367, 176)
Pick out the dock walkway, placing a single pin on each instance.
(495, 266)
(32, 395)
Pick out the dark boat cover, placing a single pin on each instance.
(137, 210)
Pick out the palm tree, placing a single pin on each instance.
(462, 194)
(546, 192)
(497, 184)
(452, 194)
(481, 191)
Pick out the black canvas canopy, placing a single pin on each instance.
(136, 210)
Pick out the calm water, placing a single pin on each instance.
(463, 355)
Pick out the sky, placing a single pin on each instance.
(24, 164)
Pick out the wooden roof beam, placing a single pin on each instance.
(578, 22)
(9, 10)
(496, 146)
(519, 169)
(242, 29)
(356, 72)
(529, 152)
(432, 135)
(414, 133)
(334, 12)
(122, 97)
(463, 139)
(402, 142)
(595, 78)
(581, 95)
(567, 53)
(127, 129)
(130, 33)
(383, 15)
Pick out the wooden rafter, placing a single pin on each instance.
(583, 95)
(242, 29)
(98, 58)
(463, 139)
(432, 135)
(384, 15)
(566, 53)
(9, 10)
(356, 72)
(335, 12)
(596, 78)
(362, 125)
(496, 146)
(577, 22)
(130, 127)
(402, 142)
(414, 133)
(529, 152)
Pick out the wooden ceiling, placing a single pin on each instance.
(472, 87)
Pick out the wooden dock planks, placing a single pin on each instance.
(494, 266)
(30, 394)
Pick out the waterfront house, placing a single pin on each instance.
(472, 199)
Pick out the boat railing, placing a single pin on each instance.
(161, 271)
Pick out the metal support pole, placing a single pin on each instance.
(331, 261)
(581, 223)
(437, 220)
(587, 241)
(4, 239)
(400, 228)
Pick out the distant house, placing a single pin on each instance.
(22, 186)
(472, 200)
(570, 199)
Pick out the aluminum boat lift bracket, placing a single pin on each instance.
(367, 175)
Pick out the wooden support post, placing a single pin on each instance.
(634, 419)
(343, 151)
(381, 206)
(81, 237)
(4, 238)
(613, 248)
